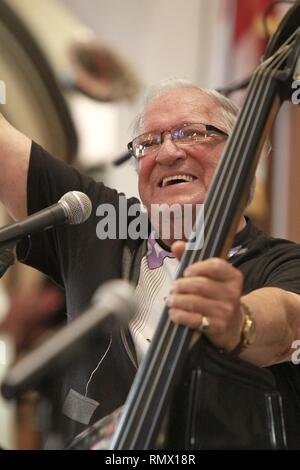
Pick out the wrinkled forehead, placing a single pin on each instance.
(178, 106)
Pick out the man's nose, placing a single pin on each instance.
(169, 152)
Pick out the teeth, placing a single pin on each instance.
(186, 178)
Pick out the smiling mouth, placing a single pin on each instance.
(171, 180)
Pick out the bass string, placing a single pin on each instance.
(236, 143)
(237, 162)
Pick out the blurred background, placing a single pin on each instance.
(72, 77)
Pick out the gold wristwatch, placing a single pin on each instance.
(248, 333)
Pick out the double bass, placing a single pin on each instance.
(161, 389)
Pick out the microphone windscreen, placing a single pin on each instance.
(77, 205)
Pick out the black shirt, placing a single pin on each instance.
(78, 261)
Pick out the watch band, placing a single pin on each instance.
(248, 331)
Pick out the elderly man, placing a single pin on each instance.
(248, 304)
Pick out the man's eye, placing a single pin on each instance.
(192, 134)
(149, 143)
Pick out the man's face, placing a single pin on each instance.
(198, 162)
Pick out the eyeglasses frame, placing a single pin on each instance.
(208, 127)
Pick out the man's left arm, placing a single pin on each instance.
(209, 298)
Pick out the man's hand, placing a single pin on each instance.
(210, 289)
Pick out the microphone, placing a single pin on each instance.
(73, 208)
(115, 300)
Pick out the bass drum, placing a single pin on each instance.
(31, 97)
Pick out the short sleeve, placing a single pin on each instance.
(48, 180)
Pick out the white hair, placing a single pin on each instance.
(228, 109)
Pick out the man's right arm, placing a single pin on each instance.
(14, 163)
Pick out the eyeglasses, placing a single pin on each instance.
(187, 134)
